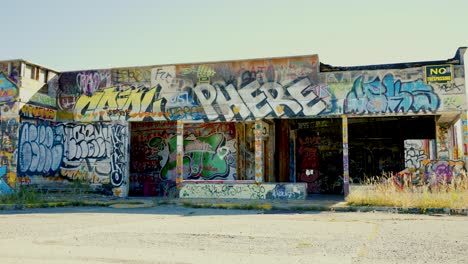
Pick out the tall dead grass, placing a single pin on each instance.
(401, 191)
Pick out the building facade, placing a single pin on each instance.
(278, 128)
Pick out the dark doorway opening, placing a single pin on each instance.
(376, 145)
(319, 158)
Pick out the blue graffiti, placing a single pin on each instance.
(40, 149)
(390, 96)
(4, 187)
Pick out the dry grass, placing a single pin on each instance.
(400, 191)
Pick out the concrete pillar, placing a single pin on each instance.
(443, 142)
(180, 153)
(120, 158)
(345, 156)
(9, 130)
(259, 132)
(465, 133)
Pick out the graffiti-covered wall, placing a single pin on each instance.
(209, 152)
(75, 126)
(248, 90)
(396, 91)
(273, 191)
(57, 152)
(243, 90)
(12, 69)
(9, 123)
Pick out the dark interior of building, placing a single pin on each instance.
(376, 144)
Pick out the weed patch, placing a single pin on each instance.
(383, 191)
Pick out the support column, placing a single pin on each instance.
(443, 142)
(180, 154)
(120, 158)
(259, 132)
(9, 128)
(465, 134)
(345, 156)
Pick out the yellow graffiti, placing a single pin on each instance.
(133, 75)
(205, 73)
(38, 112)
(81, 175)
(109, 104)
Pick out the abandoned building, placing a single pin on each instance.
(276, 128)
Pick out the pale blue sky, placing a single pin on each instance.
(84, 34)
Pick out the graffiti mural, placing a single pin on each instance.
(110, 104)
(416, 151)
(209, 152)
(247, 90)
(465, 132)
(132, 76)
(5, 188)
(211, 97)
(209, 92)
(9, 125)
(271, 191)
(431, 172)
(32, 111)
(8, 89)
(12, 69)
(119, 141)
(443, 142)
(40, 150)
(437, 171)
(94, 152)
(206, 102)
(74, 84)
(390, 95)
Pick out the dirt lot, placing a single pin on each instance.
(170, 234)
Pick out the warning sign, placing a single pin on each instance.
(438, 74)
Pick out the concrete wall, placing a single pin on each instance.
(9, 123)
(209, 152)
(249, 90)
(211, 92)
(289, 191)
(63, 152)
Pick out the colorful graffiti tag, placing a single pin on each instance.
(9, 124)
(8, 89)
(209, 152)
(13, 70)
(207, 102)
(280, 191)
(390, 95)
(32, 111)
(94, 152)
(437, 171)
(40, 150)
(431, 172)
(208, 92)
(74, 84)
(416, 151)
(4, 187)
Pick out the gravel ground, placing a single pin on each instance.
(171, 234)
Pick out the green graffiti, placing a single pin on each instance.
(204, 157)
